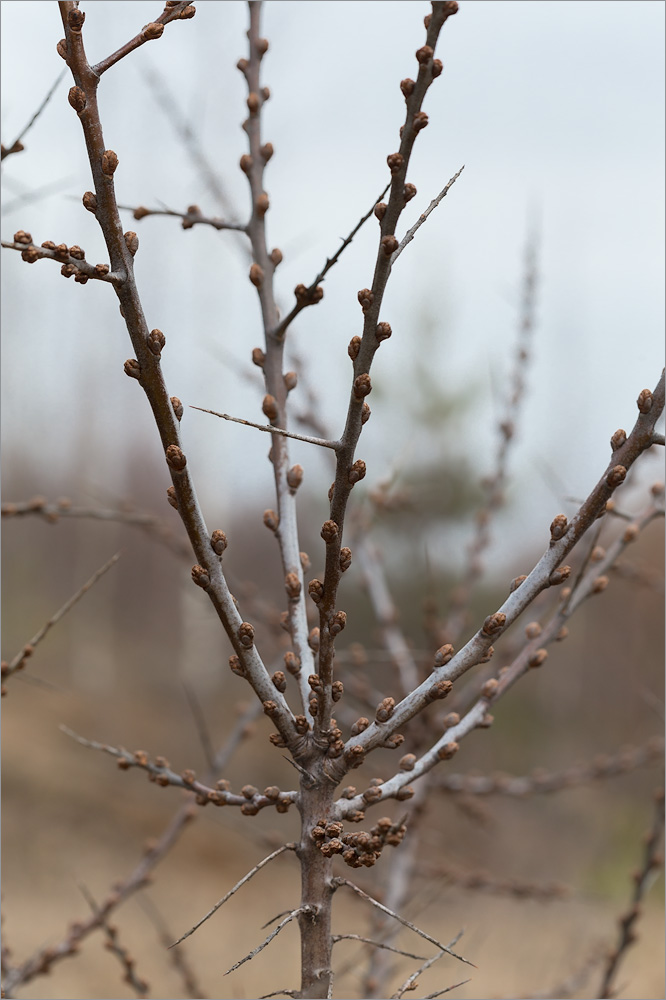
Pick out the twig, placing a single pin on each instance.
(174, 13)
(269, 429)
(192, 217)
(140, 986)
(246, 878)
(375, 944)
(652, 861)
(279, 993)
(267, 941)
(411, 233)
(307, 296)
(19, 660)
(77, 267)
(407, 923)
(440, 993)
(17, 146)
(411, 980)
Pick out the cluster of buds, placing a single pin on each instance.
(308, 296)
(360, 849)
(73, 259)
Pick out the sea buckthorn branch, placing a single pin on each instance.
(72, 259)
(146, 368)
(174, 11)
(547, 572)
(250, 800)
(362, 349)
(192, 217)
(278, 384)
(411, 233)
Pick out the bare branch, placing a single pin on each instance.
(440, 993)
(411, 233)
(267, 941)
(192, 217)
(140, 986)
(269, 429)
(17, 145)
(19, 660)
(228, 895)
(179, 11)
(410, 982)
(375, 944)
(72, 266)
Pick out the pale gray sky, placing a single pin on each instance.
(555, 107)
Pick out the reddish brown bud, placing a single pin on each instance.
(200, 577)
(177, 408)
(424, 54)
(362, 386)
(175, 458)
(262, 46)
(420, 121)
(246, 635)
(380, 210)
(644, 401)
(262, 204)
(439, 690)
(345, 559)
(153, 30)
(365, 413)
(443, 655)
(559, 575)
(90, 201)
(354, 348)
(61, 49)
(389, 245)
(385, 710)
(242, 65)
(131, 366)
(276, 256)
(77, 99)
(295, 477)
(253, 103)
(75, 19)
(395, 162)
(266, 151)
(271, 520)
(337, 690)
(258, 357)
(616, 476)
(407, 87)
(437, 67)
(77, 253)
(269, 406)
(450, 720)
(301, 725)
(313, 638)
(558, 528)
(279, 681)
(448, 751)
(489, 688)
(316, 591)
(538, 657)
(256, 275)
(338, 622)
(218, 541)
(67, 270)
(494, 623)
(156, 341)
(516, 583)
(292, 585)
(329, 531)
(404, 793)
(30, 255)
(109, 162)
(618, 439)
(172, 498)
(246, 163)
(292, 662)
(366, 298)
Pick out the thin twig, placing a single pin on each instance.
(411, 233)
(140, 986)
(375, 944)
(440, 993)
(19, 660)
(192, 217)
(17, 146)
(411, 980)
(267, 941)
(245, 878)
(407, 923)
(269, 429)
(170, 14)
(77, 267)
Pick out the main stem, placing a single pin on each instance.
(316, 894)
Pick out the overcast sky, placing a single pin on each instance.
(556, 111)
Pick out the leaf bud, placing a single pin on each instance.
(279, 681)
(338, 622)
(599, 584)
(362, 386)
(271, 520)
(253, 103)
(407, 87)
(292, 662)
(67, 270)
(131, 366)
(644, 401)
(258, 357)
(246, 635)
(533, 630)
(277, 740)
(420, 121)
(242, 65)
(366, 298)
(395, 162)
(77, 99)
(200, 577)
(290, 380)
(301, 725)
(177, 408)
(132, 242)
(345, 558)
(266, 151)
(354, 348)
(404, 793)
(109, 162)
(293, 586)
(616, 476)
(269, 406)
(437, 67)
(30, 255)
(380, 210)
(365, 413)
(295, 477)
(538, 657)
(494, 623)
(61, 48)
(313, 638)
(153, 30)
(156, 341)
(559, 575)
(447, 751)
(77, 253)
(218, 541)
(172, 498)
(618, 439)
(305, 561)
(424, 54)
(439, 690)
(558, 528)
(337, 690)
(383, 332)
(443, 655)
(262, 204)
(385, 709)
(316, 591)
(262, 46)
(75, 19)
(515, 583)
(175, 458)
(450, 720)
(329, 531)
(256, 275)
(90, 201)
(630, 534)
(389, 245)
(489, 688)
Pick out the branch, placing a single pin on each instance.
(410, 982)
(271, 430)
(245, 878)
(337, 882)
(267, 941)
(375, 944)
(18, 663)
(411, 233)
(175, 12)
(193, 217)
(140, 986)
(440, 993)
(17, 146)
(73, 265)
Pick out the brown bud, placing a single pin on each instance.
(177, 408)
(329, 531)
(488, 655)
(404, 793)
(383, 332)
(407, 87)
(345, 559)
(301, 724)
(67, 270)
(316, 683)
(420, 121)
(30, 255)
(389, 245)
(305, 561)
(338, 622)
(75, 19)
(424, 54)
(616, 476)
(359, 726)
(295, 477)
(262, 46)
(253, 103)
(101, 269)
(538, 657)
(366, 298)
(242, 65)
(171, 497)
(132, 242)
(292, 662)
(258, 357)
(644, 401)
(437, 67)
(271, 520)
(256, 275)
(600, 584)
(316, 591)
(293, 586)
(77, 99)
(132, 367)
(246, 163)
(450, 720)
(489, 688)
(354, 348)
(494, 623)
(61, 49)
(558, 528)
(618, 439)
(218, 541)
(365, 413)
(265, 93)
(266, 151)
(175, 458)
(269, 406)
(385, 710)
(559, 575)
(516, 583)
(337, 690)
(630, 534)
(262, 204)
(277, 740)
(276, 256)
(48, 245)
(270, 708)
(380, 210)
(153, 30)
(279, 681)
(532, 630)
(313, 638)
(443, 655)
(395, 162)
(109, 162)
(362, 386)
(156, 341)
(77, 253)
(200, 577)
(246, 635)
(90, 201)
